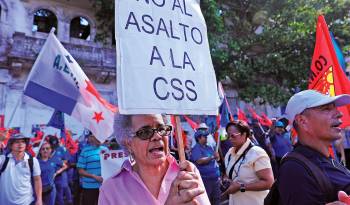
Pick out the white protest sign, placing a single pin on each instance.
(163, 58)
(111, 162)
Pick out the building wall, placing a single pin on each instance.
(16, 19)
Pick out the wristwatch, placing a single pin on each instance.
(242, 188)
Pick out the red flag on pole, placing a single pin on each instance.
(184, 137)
(2, 121)
(241, 115)
(192, 123)
(263, 119)
(326, 74)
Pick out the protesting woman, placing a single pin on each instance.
(151, 176)
(247, 166)
(50, 167)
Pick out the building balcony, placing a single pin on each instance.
(94, 59)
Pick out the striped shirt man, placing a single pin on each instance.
(89, 160)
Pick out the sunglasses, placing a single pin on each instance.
(146, 133)
(233, 134)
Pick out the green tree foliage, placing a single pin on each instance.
(104, 12)
(267, 46)
(264, 46)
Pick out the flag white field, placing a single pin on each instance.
(58, 81)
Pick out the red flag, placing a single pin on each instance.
(184, 137)
(326, 74)
(265, 120)
(69, 143)
(2, 121)
(241, 115)
(192, 123)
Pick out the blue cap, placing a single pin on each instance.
(279, 124)
(200, 133)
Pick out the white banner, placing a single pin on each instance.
(111, 162)
(163, 58)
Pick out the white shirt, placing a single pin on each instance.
(245, 172)
(15, 182)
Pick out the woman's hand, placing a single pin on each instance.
(233, 188)
(186, 186)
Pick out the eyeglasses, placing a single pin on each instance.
(147, 132)
(45, 148)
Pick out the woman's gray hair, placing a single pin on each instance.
(123, 128)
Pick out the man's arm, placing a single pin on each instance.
(84, 173)
(38, 189)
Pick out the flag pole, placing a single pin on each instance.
(180, 145)
(41, 144)
(217, 143)
(262, 129)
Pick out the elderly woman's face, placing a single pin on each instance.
(151, 151)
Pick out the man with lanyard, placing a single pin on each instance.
(20, 174)
(346, 144)
(61, 181)
(315, 178)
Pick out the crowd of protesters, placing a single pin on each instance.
(240, 168)
(59, 174)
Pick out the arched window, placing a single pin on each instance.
(44, 20)
(80, 28)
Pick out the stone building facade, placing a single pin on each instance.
(24, 26)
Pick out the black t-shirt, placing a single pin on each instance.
(297, 186)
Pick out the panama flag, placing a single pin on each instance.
(58, 81)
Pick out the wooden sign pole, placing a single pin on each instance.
(180, 145)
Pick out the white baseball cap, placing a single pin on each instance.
(203, 126)
(312, 98)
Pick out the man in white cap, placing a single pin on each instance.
(210, 139)
(314, 177)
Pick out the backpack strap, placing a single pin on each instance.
(239, 158)
(4, 165)
(31, 164)
(315, 171)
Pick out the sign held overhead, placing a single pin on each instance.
(163, 58)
